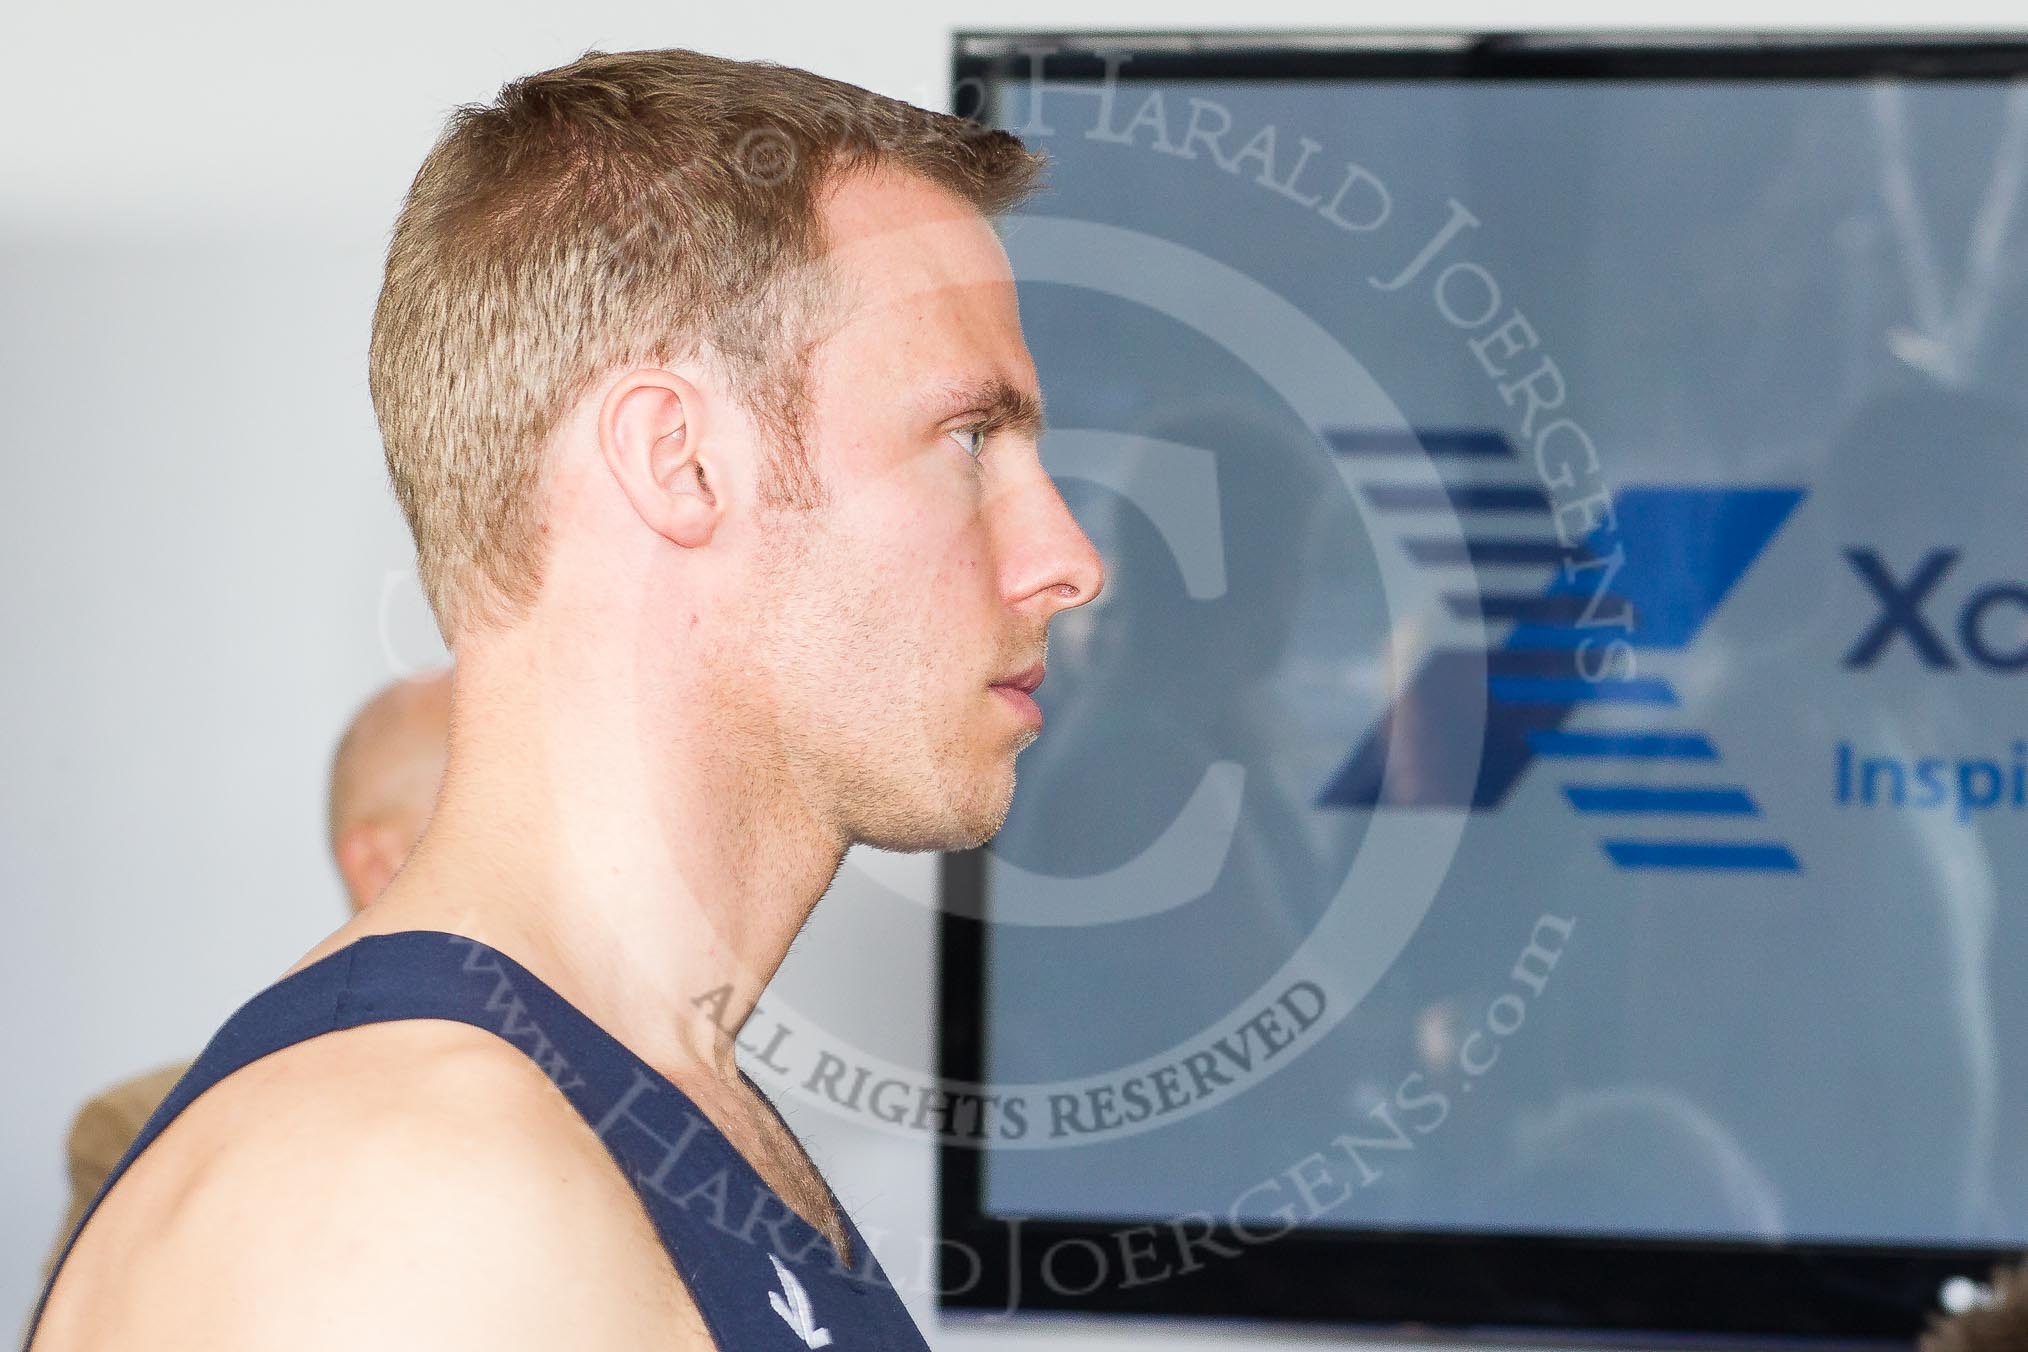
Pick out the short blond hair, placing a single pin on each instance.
(617, 210)
(1999, 1324)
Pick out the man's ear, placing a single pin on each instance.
(651, 432)
(369, 855)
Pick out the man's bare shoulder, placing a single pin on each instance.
(415, 1184)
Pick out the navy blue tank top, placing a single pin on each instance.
(762, 1277)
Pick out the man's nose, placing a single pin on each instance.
(1049, 555)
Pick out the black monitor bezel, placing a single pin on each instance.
(1632, 1290)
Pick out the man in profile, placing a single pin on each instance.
(704, 392)
(384, 779)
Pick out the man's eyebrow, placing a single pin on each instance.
(1003, 404)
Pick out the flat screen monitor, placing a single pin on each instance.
(1533, 833)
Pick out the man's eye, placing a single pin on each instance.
(972, 438)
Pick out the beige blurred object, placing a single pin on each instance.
(100, 1134)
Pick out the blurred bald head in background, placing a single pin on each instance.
(384, 780)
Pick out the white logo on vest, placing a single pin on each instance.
(795, 1309)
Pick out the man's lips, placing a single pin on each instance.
(1018, 690)
(1024, 681)
(1023, 702)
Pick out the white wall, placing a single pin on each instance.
(198, 538)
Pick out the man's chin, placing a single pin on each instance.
(960, 823)
(948, 840)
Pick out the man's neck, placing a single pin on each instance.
(653, 873)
